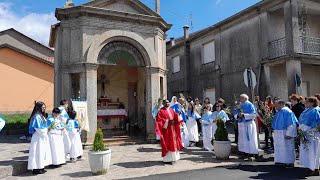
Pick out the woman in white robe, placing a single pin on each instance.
(76, 150)
(39, 150)
(207, 128)
(2, 123)
(218, 113)
(56, 138)
(192, 125)
(310, 124)
(63, 118)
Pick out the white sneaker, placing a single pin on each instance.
(68, 156)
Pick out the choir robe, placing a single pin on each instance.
(154, 115)
(2, 123)
(284, 124)
(215, 115)
(192, 126)
(74, 135)
(310, 155)
(247, 130)
(39, 150)
(207, 130)
(178, 108)
(66, 140)
(170, 138)
(56, 141)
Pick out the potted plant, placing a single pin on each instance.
(99, 156)
(222, 145)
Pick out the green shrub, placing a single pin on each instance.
(98, 144)
(221, 132)
(16, 121)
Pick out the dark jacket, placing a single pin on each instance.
(298, 109)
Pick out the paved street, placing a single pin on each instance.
(241, 172)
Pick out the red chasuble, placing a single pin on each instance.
(170, 137)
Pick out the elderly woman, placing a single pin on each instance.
(309, 124)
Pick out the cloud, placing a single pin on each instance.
(34, 25)
(218, 1)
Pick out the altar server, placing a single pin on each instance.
(207, 128)
(248, 138)
(310, 125)
(218, 113)
(2, 123)
(155, 113)
(285, 130)
(74, 134)
(63, 118)
(56, 127)
(39, 150)
(191, 124)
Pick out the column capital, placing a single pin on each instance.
(79, 67)
(155, 70)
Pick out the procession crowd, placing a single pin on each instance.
(290, 126)
(55, 138)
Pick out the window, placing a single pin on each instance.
(161, 86)
(211, 94)
(176, 64)
(208, 52)
(305, 89)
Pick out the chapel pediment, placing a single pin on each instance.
(128, 6)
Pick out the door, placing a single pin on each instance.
(211, 94)
(132, 106)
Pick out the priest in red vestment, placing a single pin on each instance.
(168, 127)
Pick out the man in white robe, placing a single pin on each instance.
(285, 130)
(248, 138)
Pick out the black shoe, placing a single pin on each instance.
(289, 165)
(170, 163)
(35, 171)
(43, 171)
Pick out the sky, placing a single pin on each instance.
(34, 17)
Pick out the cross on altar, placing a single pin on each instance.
(103, 81)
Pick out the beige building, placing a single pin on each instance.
(26, 73)
(111, 52)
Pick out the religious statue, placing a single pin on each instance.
(68, 4)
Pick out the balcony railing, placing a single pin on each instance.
(277, 48)
(309, 45)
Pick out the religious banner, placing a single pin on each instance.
(81, 107)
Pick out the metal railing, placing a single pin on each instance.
(277, 48)
(309, 45)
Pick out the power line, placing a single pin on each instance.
(182, 16)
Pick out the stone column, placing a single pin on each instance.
(66, 86)
(291, 26)
(266, 89)
(88, 91)
(293, 67)
(153, 93)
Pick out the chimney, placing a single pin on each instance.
(186, 31)
(158, 7)
(172, 42)
(68, 4)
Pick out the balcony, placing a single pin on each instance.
(277, 48)
(307, 45)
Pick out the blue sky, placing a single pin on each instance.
(33, 17)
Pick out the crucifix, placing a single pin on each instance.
(103, 81)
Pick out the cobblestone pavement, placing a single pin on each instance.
(127, 162)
